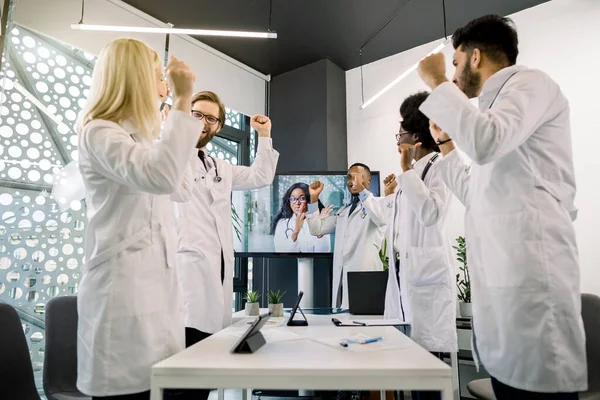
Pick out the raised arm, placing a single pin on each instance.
(379, 209)
(487, 135)
(156, 169)
(318, 225)
(262, 171)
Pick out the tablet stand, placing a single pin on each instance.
(252, 343)
(292, 322)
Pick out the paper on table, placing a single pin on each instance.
(359, 348)
(381, 322)
(280, 335)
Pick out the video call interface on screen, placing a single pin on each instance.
(271, 214)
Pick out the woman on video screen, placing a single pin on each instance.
(291, 234)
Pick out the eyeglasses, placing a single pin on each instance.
(299, 199)
(401, 133)
(208, 118)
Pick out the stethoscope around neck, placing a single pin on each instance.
(217, 178)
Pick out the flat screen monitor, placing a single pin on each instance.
(266, 218)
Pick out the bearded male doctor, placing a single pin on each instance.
(204, 221)
(519, 194)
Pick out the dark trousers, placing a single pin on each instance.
(505, 392)
(135, 396)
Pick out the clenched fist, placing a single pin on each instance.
(262, 125)
(432, 70)
(390, 184)
(180, 78)
(437, 133)
(315, 190)
(407, 154)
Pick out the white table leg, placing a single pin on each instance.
(156, 392)
(305, 281)
(221, 394)
(246, 394)
(382, 395)
(455, 380)
(447, 391)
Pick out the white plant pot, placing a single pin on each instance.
(466, 310)
(252, 309)
(276, 310)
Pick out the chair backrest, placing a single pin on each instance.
(16, 372)
(590, 313)
(60, 356)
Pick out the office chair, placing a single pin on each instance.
(60, 357)
(590, 310)
(16, 372)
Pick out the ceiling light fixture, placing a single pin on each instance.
(174, 31)
(402, 76)
(170, 30)
(393, 83)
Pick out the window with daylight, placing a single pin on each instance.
(43, 86)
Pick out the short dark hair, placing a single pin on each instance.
(494, 35)
(361, 165)
(414, 121)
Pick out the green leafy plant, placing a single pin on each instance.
(237, 222)
(383, 256)
(464, 284)
(252, 296)
(275, 297)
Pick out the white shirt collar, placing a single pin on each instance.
(419, 166)
(495, 82)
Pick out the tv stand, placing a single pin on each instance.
(306, 281)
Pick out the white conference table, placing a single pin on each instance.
(292, 360)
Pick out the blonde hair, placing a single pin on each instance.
(124, 86)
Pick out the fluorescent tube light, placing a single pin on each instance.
(402, 76)
(174, 31)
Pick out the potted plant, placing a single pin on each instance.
(275, 304)
(252, 307)
(464, 284)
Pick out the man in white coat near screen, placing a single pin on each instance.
(204, 221)
(420, 288)
(519, 197)
(358, 232)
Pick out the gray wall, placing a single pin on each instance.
(308, 109)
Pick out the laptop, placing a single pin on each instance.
(366, 292)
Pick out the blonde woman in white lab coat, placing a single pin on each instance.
(290, 233)
(129, 303)
(519, 197)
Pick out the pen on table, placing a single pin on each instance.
(373, 340)
(343, 344)
(359, 323)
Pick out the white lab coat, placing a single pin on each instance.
(426, 298)
(358, 239)
(129, 302)
(305, 243)
(519, 198)
(204, 226)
